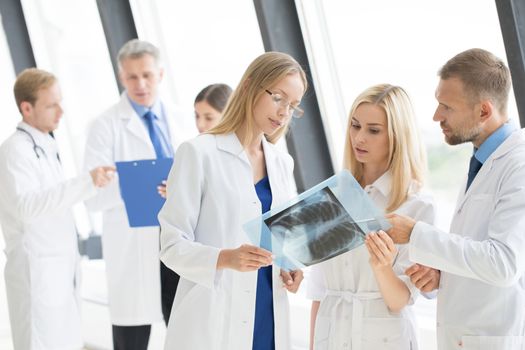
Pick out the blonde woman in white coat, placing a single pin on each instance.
(226, 284)
(361, 298)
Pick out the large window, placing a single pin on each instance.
(11, 116)
(201, 42)
(405, 43)
(10, 119)
(68, 40)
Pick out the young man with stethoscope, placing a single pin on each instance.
(41, 272)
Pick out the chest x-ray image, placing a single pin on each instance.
(315, 229)
(329, 219)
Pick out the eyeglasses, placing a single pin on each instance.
(279, 100)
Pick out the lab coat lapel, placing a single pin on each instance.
(272, 169)
(478, 180)
(133, 124)
(500, 152)
(231, 144)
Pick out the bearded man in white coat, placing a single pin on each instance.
(139, 126)
(481, 295)
(42, 268)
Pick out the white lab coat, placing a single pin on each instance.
(210, 195)
(352, 313)
(41, 271)
(131, 254)
(481, 297)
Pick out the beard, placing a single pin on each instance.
(458, 138)
(464, 134)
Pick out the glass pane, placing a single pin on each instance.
(7, 99)
(200, 42)
(405, 44)
(10, 119)
(68, 40)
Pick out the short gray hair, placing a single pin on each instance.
(136, 48)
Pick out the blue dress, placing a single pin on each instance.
(263, 330)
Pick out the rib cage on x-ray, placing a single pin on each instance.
(317, 230)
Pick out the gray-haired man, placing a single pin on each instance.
(139, 126)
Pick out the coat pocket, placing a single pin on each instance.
(53, 280)
(490, 342)
(386, 334)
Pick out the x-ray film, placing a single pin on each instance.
(327, 220)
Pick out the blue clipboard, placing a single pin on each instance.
(138, 181)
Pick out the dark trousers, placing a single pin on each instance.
(137, 337)
(131, 337)
(169, 281)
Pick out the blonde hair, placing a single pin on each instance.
(265, 71)
(29, 82)
(406, 156)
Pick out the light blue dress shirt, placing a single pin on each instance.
(493, 142)
(158, 110)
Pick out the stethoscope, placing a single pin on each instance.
(36, 148)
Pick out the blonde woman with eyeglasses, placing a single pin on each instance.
(229, 295)
(361, 299)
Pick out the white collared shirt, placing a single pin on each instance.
(418, 206)
(351, 272)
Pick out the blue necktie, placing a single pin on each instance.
(155, 135)
(473, 169)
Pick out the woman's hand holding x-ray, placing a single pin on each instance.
(381, 248)
(245, 258)
(292, 280)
